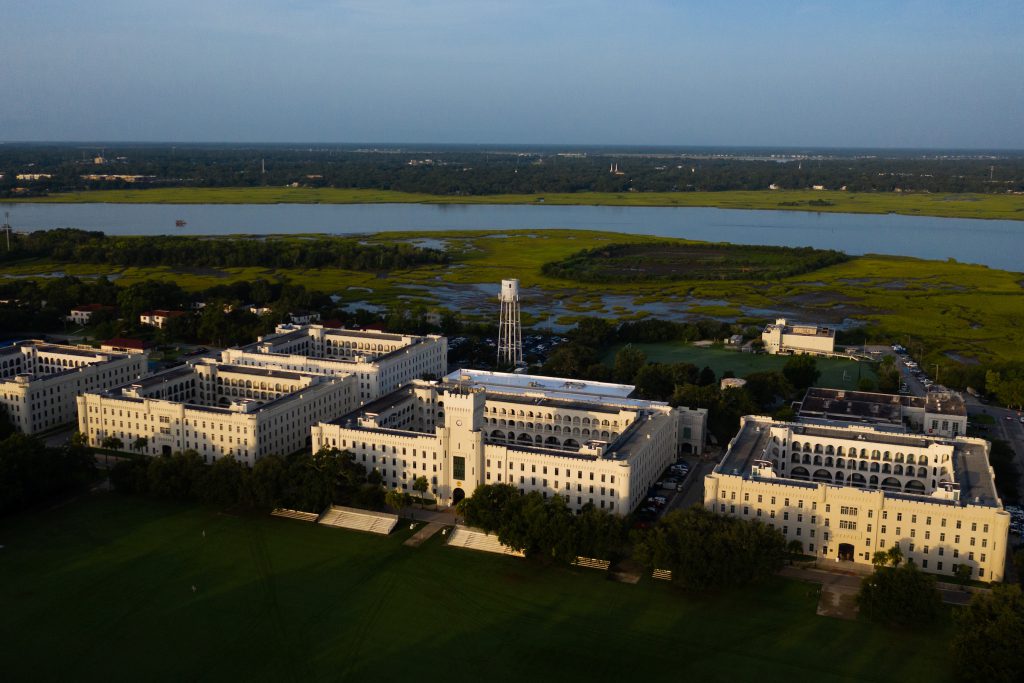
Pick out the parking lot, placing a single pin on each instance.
(674, 489)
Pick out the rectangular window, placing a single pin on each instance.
(459, 467)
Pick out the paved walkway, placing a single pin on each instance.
(423, 534)
(445, 516)
(843, 583)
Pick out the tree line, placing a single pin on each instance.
(32, 472)
(473, 171)
(673, 261)
(700, 548)
(302, 481)
(81, 246)
(988, 634)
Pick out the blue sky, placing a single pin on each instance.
(854, 73)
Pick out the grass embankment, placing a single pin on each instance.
(913, 204)
(973, 311)
(836, 373)
(103, 586)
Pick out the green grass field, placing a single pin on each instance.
(955, 205)
(101, 589)
(836, 373)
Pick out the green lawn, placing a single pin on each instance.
(1004, 206)
(836, 373)
(101, 589)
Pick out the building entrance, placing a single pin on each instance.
(457, 495)
(846, 552)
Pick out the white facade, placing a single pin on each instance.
(39, 382)
(381, 362)
(158, 319)
(782, 337)
(217, 410)
(461, 435)
(81, 315)
(846, 492)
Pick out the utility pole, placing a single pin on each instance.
(936, 373)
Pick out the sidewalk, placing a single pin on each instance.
(846, 582)
(446, 516)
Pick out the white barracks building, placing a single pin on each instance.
(39, 382)
(585, 441)
(845, 492)
(381, 362)
(216, 410)
(261, 399)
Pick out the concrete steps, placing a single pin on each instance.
(359, 520)
(663, 574)
(295, 514)
(475, 539)
(592, 563)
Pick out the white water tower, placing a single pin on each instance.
(510, 330)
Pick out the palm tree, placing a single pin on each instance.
(895, 554)
(140, 444)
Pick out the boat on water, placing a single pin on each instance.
(180, 223)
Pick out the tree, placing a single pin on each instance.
(706, 377)
(899, 594)
(705, 550)
(801, 371)
(420, 485)
(988, 644)
(112, 443)
(140, 444)
(962, 574)
(397, 500)
(654, 382)
(222, 483)
(268, 482)
(628, 362)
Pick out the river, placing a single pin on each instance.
(995, 243)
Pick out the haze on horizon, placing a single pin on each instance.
(940, 74)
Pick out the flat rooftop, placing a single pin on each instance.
(970, 462)
(259, 372)
(873, 406)
(560, 385)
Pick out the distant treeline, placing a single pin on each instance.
(80, 246)
(684, 261)
(478, 172)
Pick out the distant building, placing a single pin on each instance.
(735, 340)
(817, 187)
(303, 317)
(33, 176)
(782, 337)
(940, 413)
(39, 382)
(125, 345)
(82, 315)
(159, 318)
